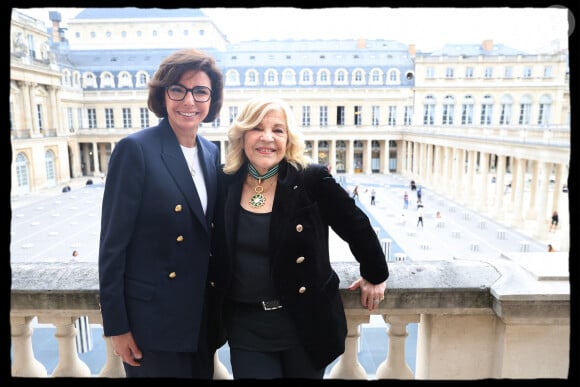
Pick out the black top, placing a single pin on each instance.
(255, 328)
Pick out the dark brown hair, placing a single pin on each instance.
(170, 71)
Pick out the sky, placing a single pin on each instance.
(525, 28)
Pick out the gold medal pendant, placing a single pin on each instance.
(258, 200)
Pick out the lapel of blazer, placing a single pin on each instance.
(172, 156)
(234, 184)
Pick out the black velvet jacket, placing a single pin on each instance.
(306, 204)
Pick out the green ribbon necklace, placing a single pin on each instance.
(258, 200)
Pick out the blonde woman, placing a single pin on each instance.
(282, 312)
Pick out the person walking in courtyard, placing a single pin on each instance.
(406, 200)
(420, 215)
(355, 192)
(554, 222)
(373, 194)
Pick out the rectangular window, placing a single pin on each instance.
(92, 118)
(340, 115)
(216, 123)
(509, 72)
(525, 112)
(305, 116)
(544, 114)
(488, 72)
(428, 114)
(80, 118)
(469, 72)
(109, 118)
(467, 114)
(39, 121)
(323, 116)
(408, 115)
(358, 115)
(449, 72)
(144, 117)
(69, 119)
(430, 72)
(375, 111)
(392, 115)
(485, 114)
(448, 111)
(548, 72)
(233, 113)
(527, 72)
(127, 121)
(505, 117)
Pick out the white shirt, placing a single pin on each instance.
(196, 174)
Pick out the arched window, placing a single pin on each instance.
(232, 78)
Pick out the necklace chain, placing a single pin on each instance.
(258, 199)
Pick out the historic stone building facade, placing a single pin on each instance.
(455, 120)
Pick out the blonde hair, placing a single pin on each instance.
(251, 116)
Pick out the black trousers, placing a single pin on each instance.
(290, 363)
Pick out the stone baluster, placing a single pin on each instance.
(69, 363)
(395, 366)
(348, 366)
(113, 367)
(24, 364)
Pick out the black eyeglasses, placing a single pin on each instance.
(178, 93)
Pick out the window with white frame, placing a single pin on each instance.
(109, 118)
(392, 115)
(358, 115)
(429, 110)
(449, 72)
(144, 117)
(527, 72)
(340, 77)
(393, 77)
(525, 110)
(467, 110)
(358, 77)
(430, 72)
(92, 118)
(39, 118)
(508, 72)
(288, 77)
(69, 119)
(142, 79)
(125, 79)
(271, 77)
(375, 115)
(488, 72)
(305, 116)
(505, 114)
(233, 78)
(548, 72)
(232, 113)
(408, 116)
(323, 77)
(107, 80)
(89, 80)
(469, 72)
(127, 121)
(448, 110)
(306, 77)
(323, 116)
(376, 76)
(486, 110)
(251, 78)
(544, 110)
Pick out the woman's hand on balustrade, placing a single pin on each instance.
(370, 295)
(125, 347)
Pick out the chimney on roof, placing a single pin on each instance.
(487, 45)
(361, 43)
(55, 18)
(412, 50)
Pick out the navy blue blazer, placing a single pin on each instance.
(155, 240)
(306, 204)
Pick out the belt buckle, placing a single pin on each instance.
(271, 305)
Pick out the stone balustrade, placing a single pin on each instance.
(495, 318)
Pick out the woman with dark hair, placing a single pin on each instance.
(157, 214)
